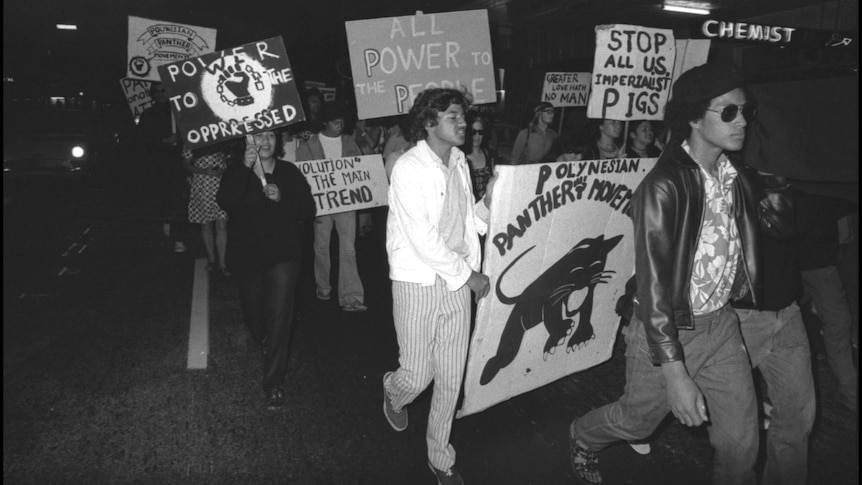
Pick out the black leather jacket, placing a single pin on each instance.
(667, 213)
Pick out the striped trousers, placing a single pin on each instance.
(433, 326)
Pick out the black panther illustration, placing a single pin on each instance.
(564, 291)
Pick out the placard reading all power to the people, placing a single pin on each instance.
(394, 59)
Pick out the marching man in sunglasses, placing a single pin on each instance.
(696, 221)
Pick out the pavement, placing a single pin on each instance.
(101, 393)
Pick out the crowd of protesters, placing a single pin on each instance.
(723, 253)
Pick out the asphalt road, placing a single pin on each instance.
(96, 390)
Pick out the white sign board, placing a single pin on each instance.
(632, 72)
(559, 252)
(153, 43)
(346, 184)
(394, 59)
(563, 89)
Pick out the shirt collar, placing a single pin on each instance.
(726, 170)
(456, 156)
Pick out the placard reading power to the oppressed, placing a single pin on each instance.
(394, 59)
(558, 254)
(346, 184)
(232, 93)
(631, 72)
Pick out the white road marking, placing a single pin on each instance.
(199, 341)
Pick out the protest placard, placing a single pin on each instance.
(232, 93)
(346, 184)
(137, 94)
(558, 253)
(563, 89)
(153, 43)
(632, 72)
(394, 59)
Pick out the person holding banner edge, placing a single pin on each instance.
(433, 247)
(266, 198)
(696, 237)
(603, 139)
(641, 138)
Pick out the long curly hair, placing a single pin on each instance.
(428, 105)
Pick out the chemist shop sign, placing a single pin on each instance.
(394, 59)
(757, 33)
(232, 93)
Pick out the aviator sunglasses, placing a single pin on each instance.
(729, 112)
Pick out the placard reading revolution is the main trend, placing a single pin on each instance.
(395, 58)
(631, 72)
(346, 184)
(232, 93)
(558, 254)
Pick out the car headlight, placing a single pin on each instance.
(77, 151)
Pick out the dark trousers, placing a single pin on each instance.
(267, 297)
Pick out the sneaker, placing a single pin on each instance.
(585, 462)
(397, 419)
(449, 477)
(640, 447)
(276, 399)
(322, 295)
(179, 247)
(354, 307)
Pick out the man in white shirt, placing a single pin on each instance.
(433, 247)
(327, 144)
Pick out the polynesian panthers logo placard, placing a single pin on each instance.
(153, 43)
(232, 93)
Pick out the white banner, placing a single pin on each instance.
(346, 184)
(153, 43)
(632, 72)
(559, 252)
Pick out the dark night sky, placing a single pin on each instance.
(46, 61)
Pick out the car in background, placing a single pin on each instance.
(53, 141)
(503, 139)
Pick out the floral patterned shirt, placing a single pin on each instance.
(718, 249)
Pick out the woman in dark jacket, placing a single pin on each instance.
(266, 199)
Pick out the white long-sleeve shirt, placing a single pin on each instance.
(417, 250)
